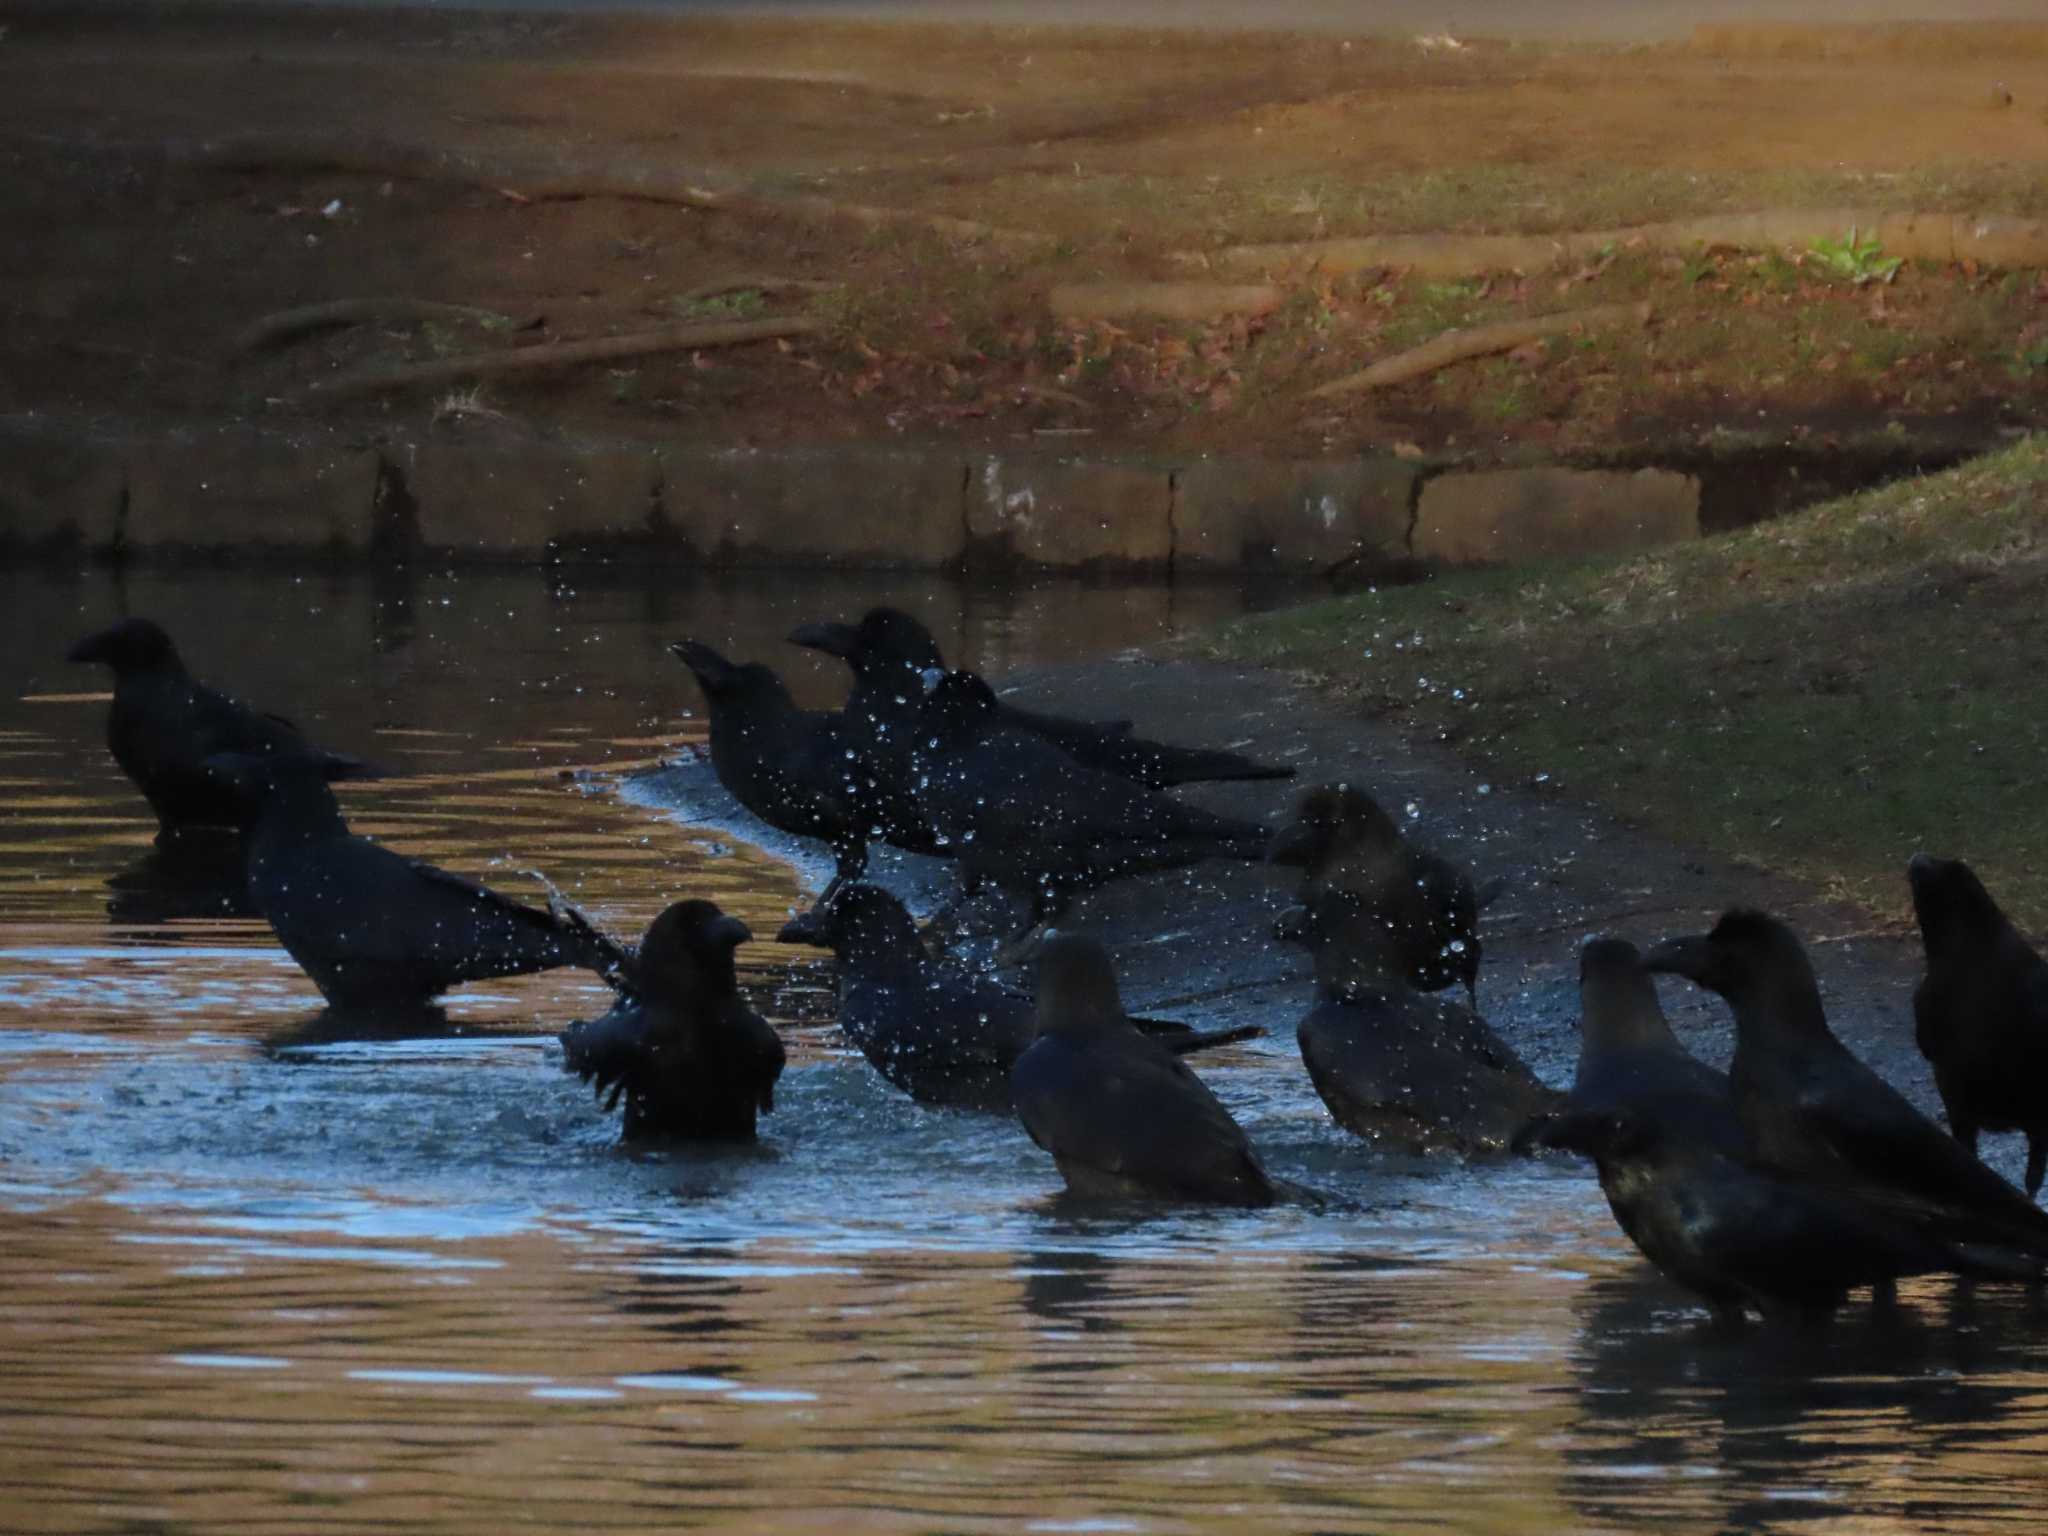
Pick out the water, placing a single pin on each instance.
(260, 1273)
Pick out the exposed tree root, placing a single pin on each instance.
(1457, 346)
(288, 323)
(566, 354)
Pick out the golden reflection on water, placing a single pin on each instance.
(259, 1274)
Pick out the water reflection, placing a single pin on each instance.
(1889, 1407)
(185, 878)
(267, 1266)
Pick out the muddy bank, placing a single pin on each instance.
(1198, 941)
(93, 490)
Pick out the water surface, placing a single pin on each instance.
(261, 1273)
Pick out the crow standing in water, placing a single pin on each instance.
(1811, 1109)
(164, 725)
(372, 928)
(1631, 1064)
(1398, 1068)
(1341, 840)
(1121, 1114)
(1981, 1013)
(692, 1061)
(794, 768)
(891, 653)
(1743, 1235)
(1674, 1165)
(1020, 814)
(943, 1035)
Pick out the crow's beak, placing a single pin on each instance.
(841, 640)
(805, 928)
(1688, 957)
(91, 648)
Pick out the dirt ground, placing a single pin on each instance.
(1118, 155)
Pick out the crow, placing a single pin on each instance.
(1810, 1108)
(373, 928)
(164, 725)
(1122, 1116)
(943, 1035)
(1341, 840)
(795, 768)
(890, 652)
(1020, 814)
(692, 1061)
(1631, 1064)
(1742, 1235)
(1981, 1013)
(1396, 1067)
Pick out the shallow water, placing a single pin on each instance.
(260, 1274)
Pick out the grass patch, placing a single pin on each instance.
(1824, 694)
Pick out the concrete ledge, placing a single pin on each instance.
(90, 489)
(513, 496)
(855, 507)
(1280, 515)
(243, 489)
(62, 490)
(1068, 514)
(1509, 515)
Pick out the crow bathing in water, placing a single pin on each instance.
(1121, 1114)
(1981, 1014)
(1810, 1108)
(891, 653)
(795, 768)
(1395, 1067)
(164, 725)
(1341, 840)
(372, 928)
(1020, 814)
(691, 1059)
(942, 1035)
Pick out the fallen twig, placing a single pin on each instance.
(565, 354)
(1478, 341)
(287, 323)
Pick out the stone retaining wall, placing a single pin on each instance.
(71, 490)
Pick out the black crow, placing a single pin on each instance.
(692, 1061)
(795, 768)
(1981, 1014)
(373, 928)
(1810, 1108)
(1397, 1067)
(941, 1034)
(1630, 1063)
(1743, 1236)
(1121, 1114)
(164, 725)
(1020, 814)
(1341, 840)
(889, 652)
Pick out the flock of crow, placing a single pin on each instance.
(1781, 1185)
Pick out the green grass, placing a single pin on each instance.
(1823, 695)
